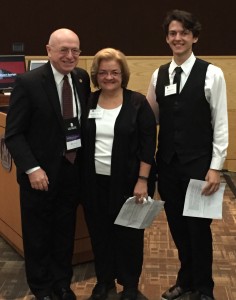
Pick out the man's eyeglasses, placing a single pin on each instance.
(74, 51)
(66, 51)
(111, 73)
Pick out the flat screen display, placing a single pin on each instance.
(10, 67)
(34, 64)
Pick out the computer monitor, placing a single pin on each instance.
(33, 64)
(10, 67)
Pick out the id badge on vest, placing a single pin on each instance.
(72, 133)
(171, 89)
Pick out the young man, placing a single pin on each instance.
(38, 138)
(192, 143)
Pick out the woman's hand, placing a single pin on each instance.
(140, 191)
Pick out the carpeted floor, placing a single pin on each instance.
(160, 261)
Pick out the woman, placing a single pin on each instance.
(119, 152)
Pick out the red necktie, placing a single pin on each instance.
(67, 108)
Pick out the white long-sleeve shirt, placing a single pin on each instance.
(215, 92)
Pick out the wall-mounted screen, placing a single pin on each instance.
(33, 64)
(10, 67)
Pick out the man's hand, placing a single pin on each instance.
(213, 182)
(39, 180)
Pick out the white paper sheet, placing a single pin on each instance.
(139, 215)
(198, 205)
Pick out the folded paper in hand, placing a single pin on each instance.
(201, 206)
(139, 216)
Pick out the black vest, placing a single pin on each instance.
(185, 119)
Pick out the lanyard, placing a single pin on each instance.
(75, 97)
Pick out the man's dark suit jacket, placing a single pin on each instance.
(34, 127)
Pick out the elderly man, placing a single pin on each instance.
(44, 138)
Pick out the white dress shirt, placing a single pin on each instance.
(59, 82)
(215, 92)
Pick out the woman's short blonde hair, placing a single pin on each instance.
(110, 54)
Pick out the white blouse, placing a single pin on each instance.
(104, 139)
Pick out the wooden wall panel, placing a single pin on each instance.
(142, 67)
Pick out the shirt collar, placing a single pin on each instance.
(186, 66)
(58, 76)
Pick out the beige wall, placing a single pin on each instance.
(142, 67)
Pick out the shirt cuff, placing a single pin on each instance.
(32, 170)
(217, 163)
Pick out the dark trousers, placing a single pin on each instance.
(118, 250)
(48, 226)
(192, 236)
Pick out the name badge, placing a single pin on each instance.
(73, 133)
(171, 89)
(96, 113)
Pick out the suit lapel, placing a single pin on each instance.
(52, 94)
